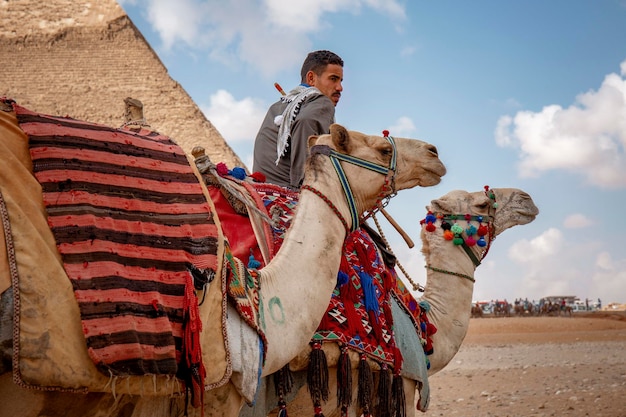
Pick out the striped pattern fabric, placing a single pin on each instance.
(133, 228)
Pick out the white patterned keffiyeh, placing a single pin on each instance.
(294, 98)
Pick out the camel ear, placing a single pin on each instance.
(341, 138)
(311, 141)
(441, 205)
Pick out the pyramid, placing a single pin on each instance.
(82, 59)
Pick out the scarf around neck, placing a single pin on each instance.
(294, 100)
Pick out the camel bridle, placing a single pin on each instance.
(387, 191)
(489, 236)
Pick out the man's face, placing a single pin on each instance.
(329, 83)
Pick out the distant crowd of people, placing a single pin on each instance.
(545, 306)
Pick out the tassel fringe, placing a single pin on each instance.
(384, 403)
(398, 398)
(365, 387)
(283, 383)
(317, 374)
(344, 379)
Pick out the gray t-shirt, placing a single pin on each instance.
(316, 115)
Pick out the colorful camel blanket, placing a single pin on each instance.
(137, 238)
(359, 312)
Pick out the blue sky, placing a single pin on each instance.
(530, 95)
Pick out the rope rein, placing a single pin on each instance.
(416, 286)
(329, 203)
(456, 274)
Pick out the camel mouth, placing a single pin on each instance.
(528, 217)
(432, 175)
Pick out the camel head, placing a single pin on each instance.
(500, 209)
(508, 207)
(401, 163)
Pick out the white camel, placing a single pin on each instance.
(450, 283)
(304, 269)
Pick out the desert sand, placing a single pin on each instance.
(536, 366)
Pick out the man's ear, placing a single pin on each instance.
(341, 138)
(311, 141)
(310, 78)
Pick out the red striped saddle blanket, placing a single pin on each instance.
(135, 232)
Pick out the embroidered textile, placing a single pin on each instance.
(359, 312)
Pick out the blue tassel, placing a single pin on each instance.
(253, 263)
(369, 292)
(424, 305)
(342, 278)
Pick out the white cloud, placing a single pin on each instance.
(236, 120)
(609, 279)
(577, 221)
(605, 262)
(175, 21)
(240, 30)
(403, 127)
(588, 138)
(543, 246)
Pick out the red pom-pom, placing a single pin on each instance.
(258, 177)
(221, 169)
(430, 227)
(482, 230)
(385, 133)
(468, 217)
(470, 241)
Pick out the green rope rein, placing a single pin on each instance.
(443, 271)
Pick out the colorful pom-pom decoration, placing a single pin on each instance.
(445, 225)
(430, 227)
(430, 217)
(482, 230)
(448, 235)
(456, 229)
(470, 241)
(458, 240)
(482, 242)
(238, 173)
(221, 169)
(258, 177)
(471, 230)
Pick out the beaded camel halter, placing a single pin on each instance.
(467, 237)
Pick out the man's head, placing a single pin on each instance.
(324, 70)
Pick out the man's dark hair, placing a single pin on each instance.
(317, 61)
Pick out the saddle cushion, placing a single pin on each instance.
(125, 218)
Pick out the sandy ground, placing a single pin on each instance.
(536, 366)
